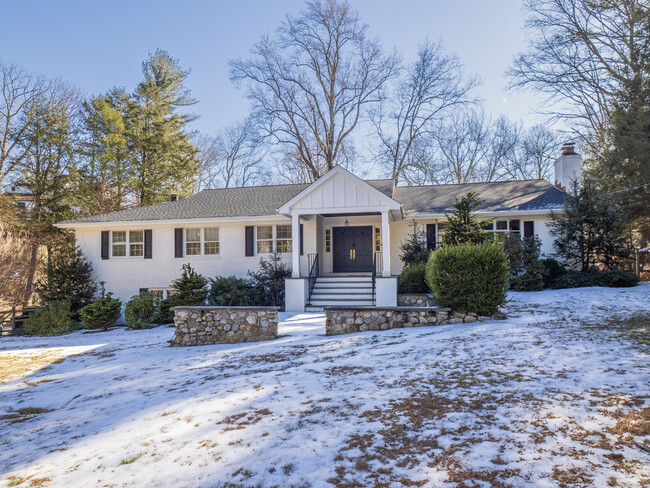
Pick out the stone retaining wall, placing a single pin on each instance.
(341, 320)
(198, 326)
(414, 300)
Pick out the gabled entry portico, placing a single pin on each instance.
(361, 247)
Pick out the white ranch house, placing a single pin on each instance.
(340, 235)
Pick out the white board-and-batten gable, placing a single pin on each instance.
(339, 191)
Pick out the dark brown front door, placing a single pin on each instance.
(352, 249)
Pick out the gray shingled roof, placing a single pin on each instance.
(497, 196)
(265, 200)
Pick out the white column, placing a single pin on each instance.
(385, 244)
(295, 245)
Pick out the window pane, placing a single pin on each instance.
(211, 234)
(500, 236)
(193, 248)
(377, 239)
(328, 240)
(119, 250)
(265, 246)
(514, 225)
(119, 236)
(283, 232)
(136, 236)
(193, 235)
(264, 232)
(284, 245)
(502, 225)
(157, 292)
(441, 227)
(137, 249)
(212, 248)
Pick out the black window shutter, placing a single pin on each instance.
(105, 244)
(301, 240)
(529, 228)
(431, 237)
(147, 244)
(250, 241)
(178, 243)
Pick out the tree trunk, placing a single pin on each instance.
(31, 273)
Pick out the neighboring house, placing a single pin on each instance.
(336, 228)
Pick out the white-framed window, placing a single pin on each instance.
(202, 241)
(502, 228)
(136, 243)
(264, 235)
(328, 240)
(283, 238)
(211, 241)
(440, 232)
(127, 243)
(377, 239)
(192, 242)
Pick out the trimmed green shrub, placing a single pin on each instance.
(469, 277)
(576, 279)
(141, 310)
(619, 279)
(164, 314)
(612, 278)
(230, 291)
(526, 282)
(54, 318)
(104, 312)
(551, 270)
(411, 279)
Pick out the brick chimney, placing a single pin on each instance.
(567, 166)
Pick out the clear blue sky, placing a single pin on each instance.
(99, 44)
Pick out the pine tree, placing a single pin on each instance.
(165, 159)
(190, 287)
(68, 278)
(590, 229)
(414, 249)
(462, 225)
(102, 179)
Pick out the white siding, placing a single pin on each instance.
(125, 276)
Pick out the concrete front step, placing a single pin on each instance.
(340, 301)
(344, 279)
(341, 296)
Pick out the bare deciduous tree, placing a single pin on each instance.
(18, 90)
(534, 156)
(432, 85)
(581, 53)
(463, 144)
(311, 85)
(232, 158)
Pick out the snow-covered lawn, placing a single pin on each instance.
(558, 395)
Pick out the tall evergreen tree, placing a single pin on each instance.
(165, 161)
(51, 143)
(462, 225)
(591, 228)
(103, 179)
